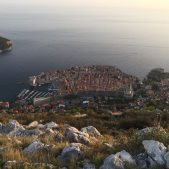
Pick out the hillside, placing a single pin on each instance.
(54, 143)
(5, 45)
(157, 74)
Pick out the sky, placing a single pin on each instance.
(39, 4)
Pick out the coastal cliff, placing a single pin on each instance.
(5, 45)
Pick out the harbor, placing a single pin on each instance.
(90, 81)
(29, 95)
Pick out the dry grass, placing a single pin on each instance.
(95, 152)
(11, 154)
(118, 132)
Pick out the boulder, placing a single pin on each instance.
(88, 165)
(112, 162)
(149, 130)
(155, 150)
(13, 128)
(22, 133)
(144, 161)
(146, 130)
(126, 157)
(166, 157)
(34, 124)
(54, 135)
(49, 133)
(2, 127)
(50, 125)
(13, 125)
(74, 135)
(40, 126)
(73, 151)
(92, 131)
(118, 160)
(35, 146)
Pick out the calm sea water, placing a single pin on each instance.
(46, 41)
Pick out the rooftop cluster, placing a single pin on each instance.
(85, 79)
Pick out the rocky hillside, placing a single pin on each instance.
(5, 45)
(57, 146)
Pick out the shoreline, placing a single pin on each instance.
(5, 45)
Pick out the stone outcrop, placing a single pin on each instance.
(118, 160)
(73, 151)
(166, 157)
(74, 135)
(34, 124)
(155, 153)
(88, 165)
(51, 125)
(13, 125)
(35, 146)
(149, 130)
(22, 133)
(155, 150)
(14, 128)
(92, 131)
(144, 161)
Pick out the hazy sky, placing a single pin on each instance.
(156, 4)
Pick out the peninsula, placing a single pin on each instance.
(5, 45)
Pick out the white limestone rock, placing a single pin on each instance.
(50, 133)
(144, 161)
(2, 128)
(40, 126)
(155, 150)
(35, 146)
(50, 125)
(125, 157)
(118, 160)
(53, 134)
(13, 125)
(34, 124)
(22, 133)
(149, 130)
(74, 135)
(112, 162)
(72, 151)
(91, 131)
(166, 157)
(88, 165)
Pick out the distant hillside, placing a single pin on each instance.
(5, 44)
(157, 75)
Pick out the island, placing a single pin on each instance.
(5, 45)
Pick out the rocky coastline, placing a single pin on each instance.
(5, 45)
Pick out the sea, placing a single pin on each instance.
(62, 38)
